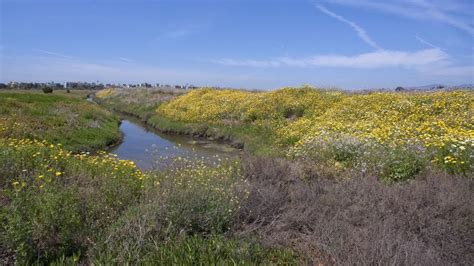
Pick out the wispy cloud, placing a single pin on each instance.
(452, 13)
(432, 61)
(423, 41)
(126, 60)
(46, 52)
(362, 33)
(377, 59)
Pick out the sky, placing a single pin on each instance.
(253, 44)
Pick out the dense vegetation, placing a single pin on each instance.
(59, 204)
(393, 135)
(64, 207)
(358, 178)
(378, 178)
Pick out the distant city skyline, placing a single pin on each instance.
(261, 44)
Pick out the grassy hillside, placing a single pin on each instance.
(66, 119)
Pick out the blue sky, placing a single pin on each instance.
(244, 44)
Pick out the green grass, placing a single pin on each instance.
(198, 250)
(58, 118)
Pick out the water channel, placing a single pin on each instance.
(145, 146)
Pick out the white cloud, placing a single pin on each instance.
(377, 59)
(447, 12)
(359, 30)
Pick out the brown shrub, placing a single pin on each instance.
(429, 221)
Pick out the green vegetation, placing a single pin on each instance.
(55, 201)
(186, 216)
(345, 190)
(196, 250)
(59, 206)
(75, 123)
(62, 206)
(143, 103)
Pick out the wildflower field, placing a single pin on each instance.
(327, 177)
(333, 128)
